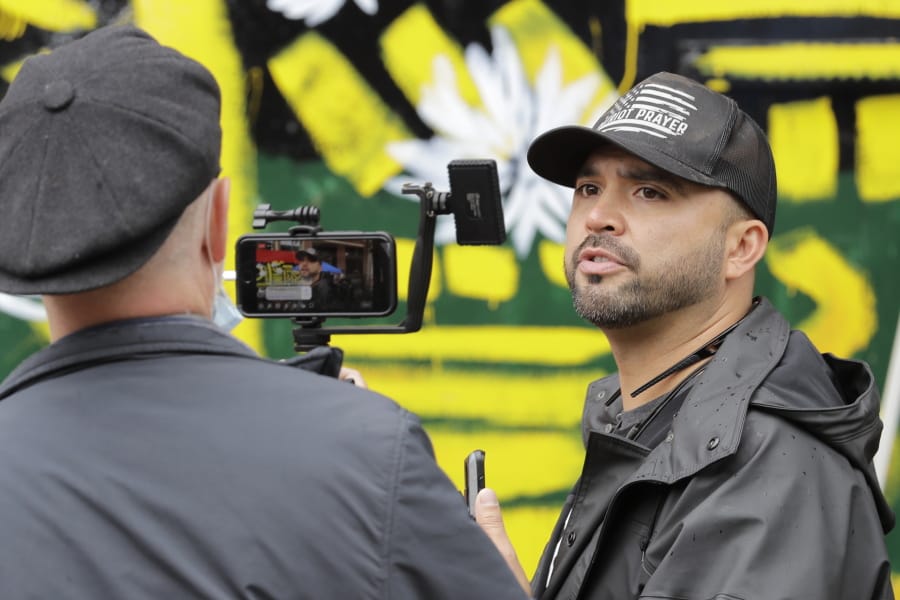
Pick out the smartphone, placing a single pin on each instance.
(332, 274)
(474, 468)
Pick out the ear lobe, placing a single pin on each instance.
(218, 219)
(746, 243)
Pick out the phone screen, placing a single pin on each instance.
(332, 274)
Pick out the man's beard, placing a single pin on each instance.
(676, 283)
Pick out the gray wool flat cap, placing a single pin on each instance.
(103, 144)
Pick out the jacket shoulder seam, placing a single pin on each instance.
(398, 459)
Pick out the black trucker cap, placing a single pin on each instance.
(679, 126)
(311, 252)
(105, 141)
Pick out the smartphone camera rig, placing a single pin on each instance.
(309, 275)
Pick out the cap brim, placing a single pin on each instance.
(559, 155)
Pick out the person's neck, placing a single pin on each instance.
(646, 350)
(69, 313)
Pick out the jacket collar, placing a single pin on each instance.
(703, 436)
(118, 340)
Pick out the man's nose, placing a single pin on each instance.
(605, 214)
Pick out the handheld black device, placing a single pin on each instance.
(474, 467)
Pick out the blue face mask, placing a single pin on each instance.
(225, 313)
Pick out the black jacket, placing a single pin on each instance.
(161, 458)
(763, 489)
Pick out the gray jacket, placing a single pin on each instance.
(161, 458)
(763, 489)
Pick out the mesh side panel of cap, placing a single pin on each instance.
(747, 168)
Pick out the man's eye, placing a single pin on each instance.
(587, 189)
(651, 193)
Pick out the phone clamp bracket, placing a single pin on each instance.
(433, 202)
(479, 221)
(308, 333)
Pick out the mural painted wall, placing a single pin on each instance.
(336, 103)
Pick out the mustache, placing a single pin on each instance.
(626, 255)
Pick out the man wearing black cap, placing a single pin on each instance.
(310, 265)
(727, 458)
(146, 453)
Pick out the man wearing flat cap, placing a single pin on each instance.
(727, 458)
(146, 453)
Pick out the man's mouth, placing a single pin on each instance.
(598, 262)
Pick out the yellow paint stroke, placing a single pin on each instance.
(12, 27)
(877, 150)
(410, 44)
(552, 399)
(804, 139)
(845, 318)
(42, 329)
(665, 13)
(536, 30)
(52, 15)
(9, 71)
(551, 255)
(348, 121)
(201, 29)
(803, 61)
(523, 345)
(482, 272)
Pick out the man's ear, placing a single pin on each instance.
(218, 219)
(745, 243)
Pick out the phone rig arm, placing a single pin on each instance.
(310, 332)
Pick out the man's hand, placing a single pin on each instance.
(487, 515)
(352, 376)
